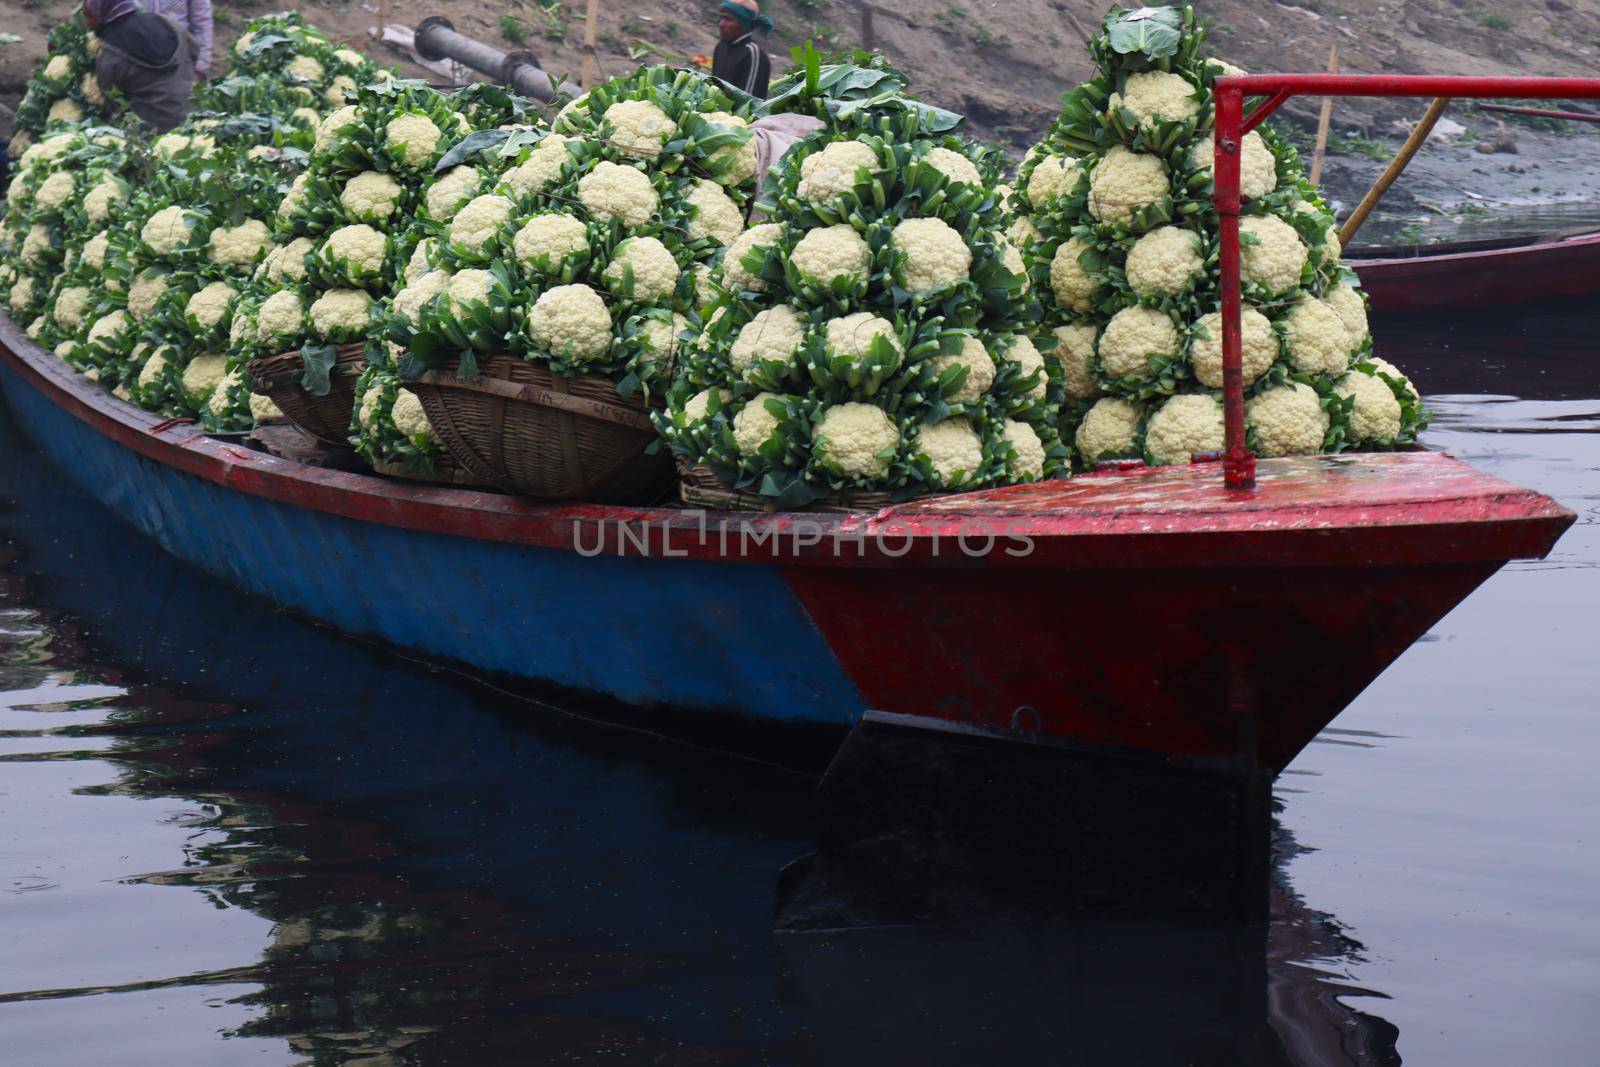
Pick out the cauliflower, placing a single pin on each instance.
(753, 425)
(360, 250)
(104, 333)
(218, 404)
(1052, 176)
(450, 191)
(774, 334)
(328, 129)
(153, 367)
(1258, 170)
(145, 291)
(338, 89)
(1075, 346)
(705, 293)
(168, 229)
(37, 248)
(280, 317)
(1022, 233)
(350, 57)
(294, 197)
(1108, 430)
(739, 161)
(1133, 337)
(829, 252)
(980, 370)
(289, 262)
(612, 191)
(1288, 420)
(54, 191)
(1026, 355)
(408, 416)
(305, 68)
(421, 261)
(1183, 426)
(1352, 310)
(64, 110)
(409, 300)
(855, 440)
(1164, 261)
(953, 449)
(1071, 283)
(1330, 250)
(411, 139)
(89, 88)
(1376, 415)
(826, 175)
(1276, 255)
(58, 69)
(370, 196)
(211, 304)
(1154, 96)
(476, 225)
(936, 256)
(542, 167)
(734, 275)
(1124, 181)
(262, 408)
(1316, 340)
(202, 376)
(1258, 349)
(713, 213)
(654, 271)
(469, 286)
(1026, 462)
(571, 320)
(639, 128)
(240, 245)
(306, 117)
(71, 304)
(341, 311)
(851, 335)
(547, 240)
(21, 294)
(954, 165)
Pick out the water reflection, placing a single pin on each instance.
(236, 835)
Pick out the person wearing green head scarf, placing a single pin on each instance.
(739, 59)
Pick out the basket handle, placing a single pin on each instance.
(534, 394)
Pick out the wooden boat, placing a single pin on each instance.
(1140, 613)
(1468, 274)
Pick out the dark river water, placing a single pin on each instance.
(228, 836)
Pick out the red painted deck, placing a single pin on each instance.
(1490, 277)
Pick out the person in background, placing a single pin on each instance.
(738, 59)
(147, 58)
(194, 16)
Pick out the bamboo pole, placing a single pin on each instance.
(586, 71)
(1393, 171)
(1324, 120)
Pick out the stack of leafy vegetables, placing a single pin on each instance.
(62, 92)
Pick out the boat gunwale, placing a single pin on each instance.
(1365, 256)
(1495, 520)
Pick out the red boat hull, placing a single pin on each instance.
(1478, 279)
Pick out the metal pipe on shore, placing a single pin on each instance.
(438, 39)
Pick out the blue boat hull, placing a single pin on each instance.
(680, 634)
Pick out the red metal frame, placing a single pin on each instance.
(1238, 463)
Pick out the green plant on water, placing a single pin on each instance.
(512, 29)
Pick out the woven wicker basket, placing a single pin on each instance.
(327, 418)
(699, 487)
(527, 429)
(446, 471)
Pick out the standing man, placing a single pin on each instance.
(147, 58)
(194, 16)
(739, 60)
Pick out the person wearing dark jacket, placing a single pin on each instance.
(738, 59)
(146, 58)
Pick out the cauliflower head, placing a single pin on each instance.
(169, 229)
(954, 166)
(1276, 255)
(98, 201)
(408, 416)
(210, 305)
(105, 331)
(71, 305)
(94, 251)
(936, 256)
(855, 440)
(774, 334)
(1182, 426)
(469, 287)
(1052, 177)
(1352, 310)
(1155, 96)
(1258, 349)
(1075, 347)
(828, 174)
(450, 191)
(340, 311)
(639, 128)
(954, 450)
(1133, 337)
(753, 425)
(1026, 458)
(1288, 420)
(544, 241)
(1072, 285)
(145, 291)
(305, 68)
(542, 167)
(289, 262)
(852, 335)
(612, 191)
(360, 249)
(202, 376)
(153, 368)
(241, 245)
(980, 370)
(1375, 415)
(54, 191)
(829, 252)
(1315, 338)
(1108, 430)
(571, 320)
(280, 317)
(655, 272)
(1125, 181)
(1258, 170)
(411, 139)
(1164, 261)
(713, 213)
(477, 224)
(734, 275)
(1029, 360)
(409, 300)
(736, 163)
(370, 196)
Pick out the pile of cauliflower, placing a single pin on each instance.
(585, 245)
(1113, 214)
(62, 93)
(876, 332)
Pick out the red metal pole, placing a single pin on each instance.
(1238, 464)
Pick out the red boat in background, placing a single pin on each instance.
(1492, 272)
